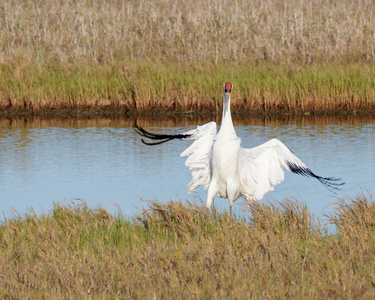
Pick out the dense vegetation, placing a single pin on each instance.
(176, 250)
(293, 56)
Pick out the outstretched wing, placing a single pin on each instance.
(261, 168)
(161, 138)
(199, 154)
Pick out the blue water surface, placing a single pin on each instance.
(104, 162)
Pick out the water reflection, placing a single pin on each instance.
(103, 160)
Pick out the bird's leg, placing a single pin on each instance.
(231, 194)
(212, 189)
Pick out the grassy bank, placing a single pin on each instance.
(138, 87)
(136, 56)
(180, 250)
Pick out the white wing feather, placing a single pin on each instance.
(258, 169)
(199, 155)
(261, 168)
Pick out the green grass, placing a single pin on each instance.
(137, 87)
(183, 250)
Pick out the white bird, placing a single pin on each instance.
(217, 161)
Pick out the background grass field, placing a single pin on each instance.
(296, 56)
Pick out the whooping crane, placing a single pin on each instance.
(217, 161)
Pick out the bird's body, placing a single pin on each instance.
(226, 149)
(217, 161)
(224, 180)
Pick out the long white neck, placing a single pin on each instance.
(226, 122)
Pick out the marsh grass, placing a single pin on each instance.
(138, 87)
(167, 55)
(355, 217)
(183, 250)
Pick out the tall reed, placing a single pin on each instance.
(213, 31)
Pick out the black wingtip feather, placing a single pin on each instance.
(163, 138)
(330, 183)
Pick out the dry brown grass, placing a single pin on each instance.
(355, 218)
(194, 31)
(176, 250)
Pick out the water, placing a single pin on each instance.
(104, 162)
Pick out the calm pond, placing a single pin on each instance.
(102, 161)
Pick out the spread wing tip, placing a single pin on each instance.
(163, 138)
(332, 183)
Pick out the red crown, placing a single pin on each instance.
(228, 86)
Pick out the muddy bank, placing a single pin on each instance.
(157, 113)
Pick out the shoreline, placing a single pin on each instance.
(156, 113)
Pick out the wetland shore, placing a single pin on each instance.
(115, 57)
